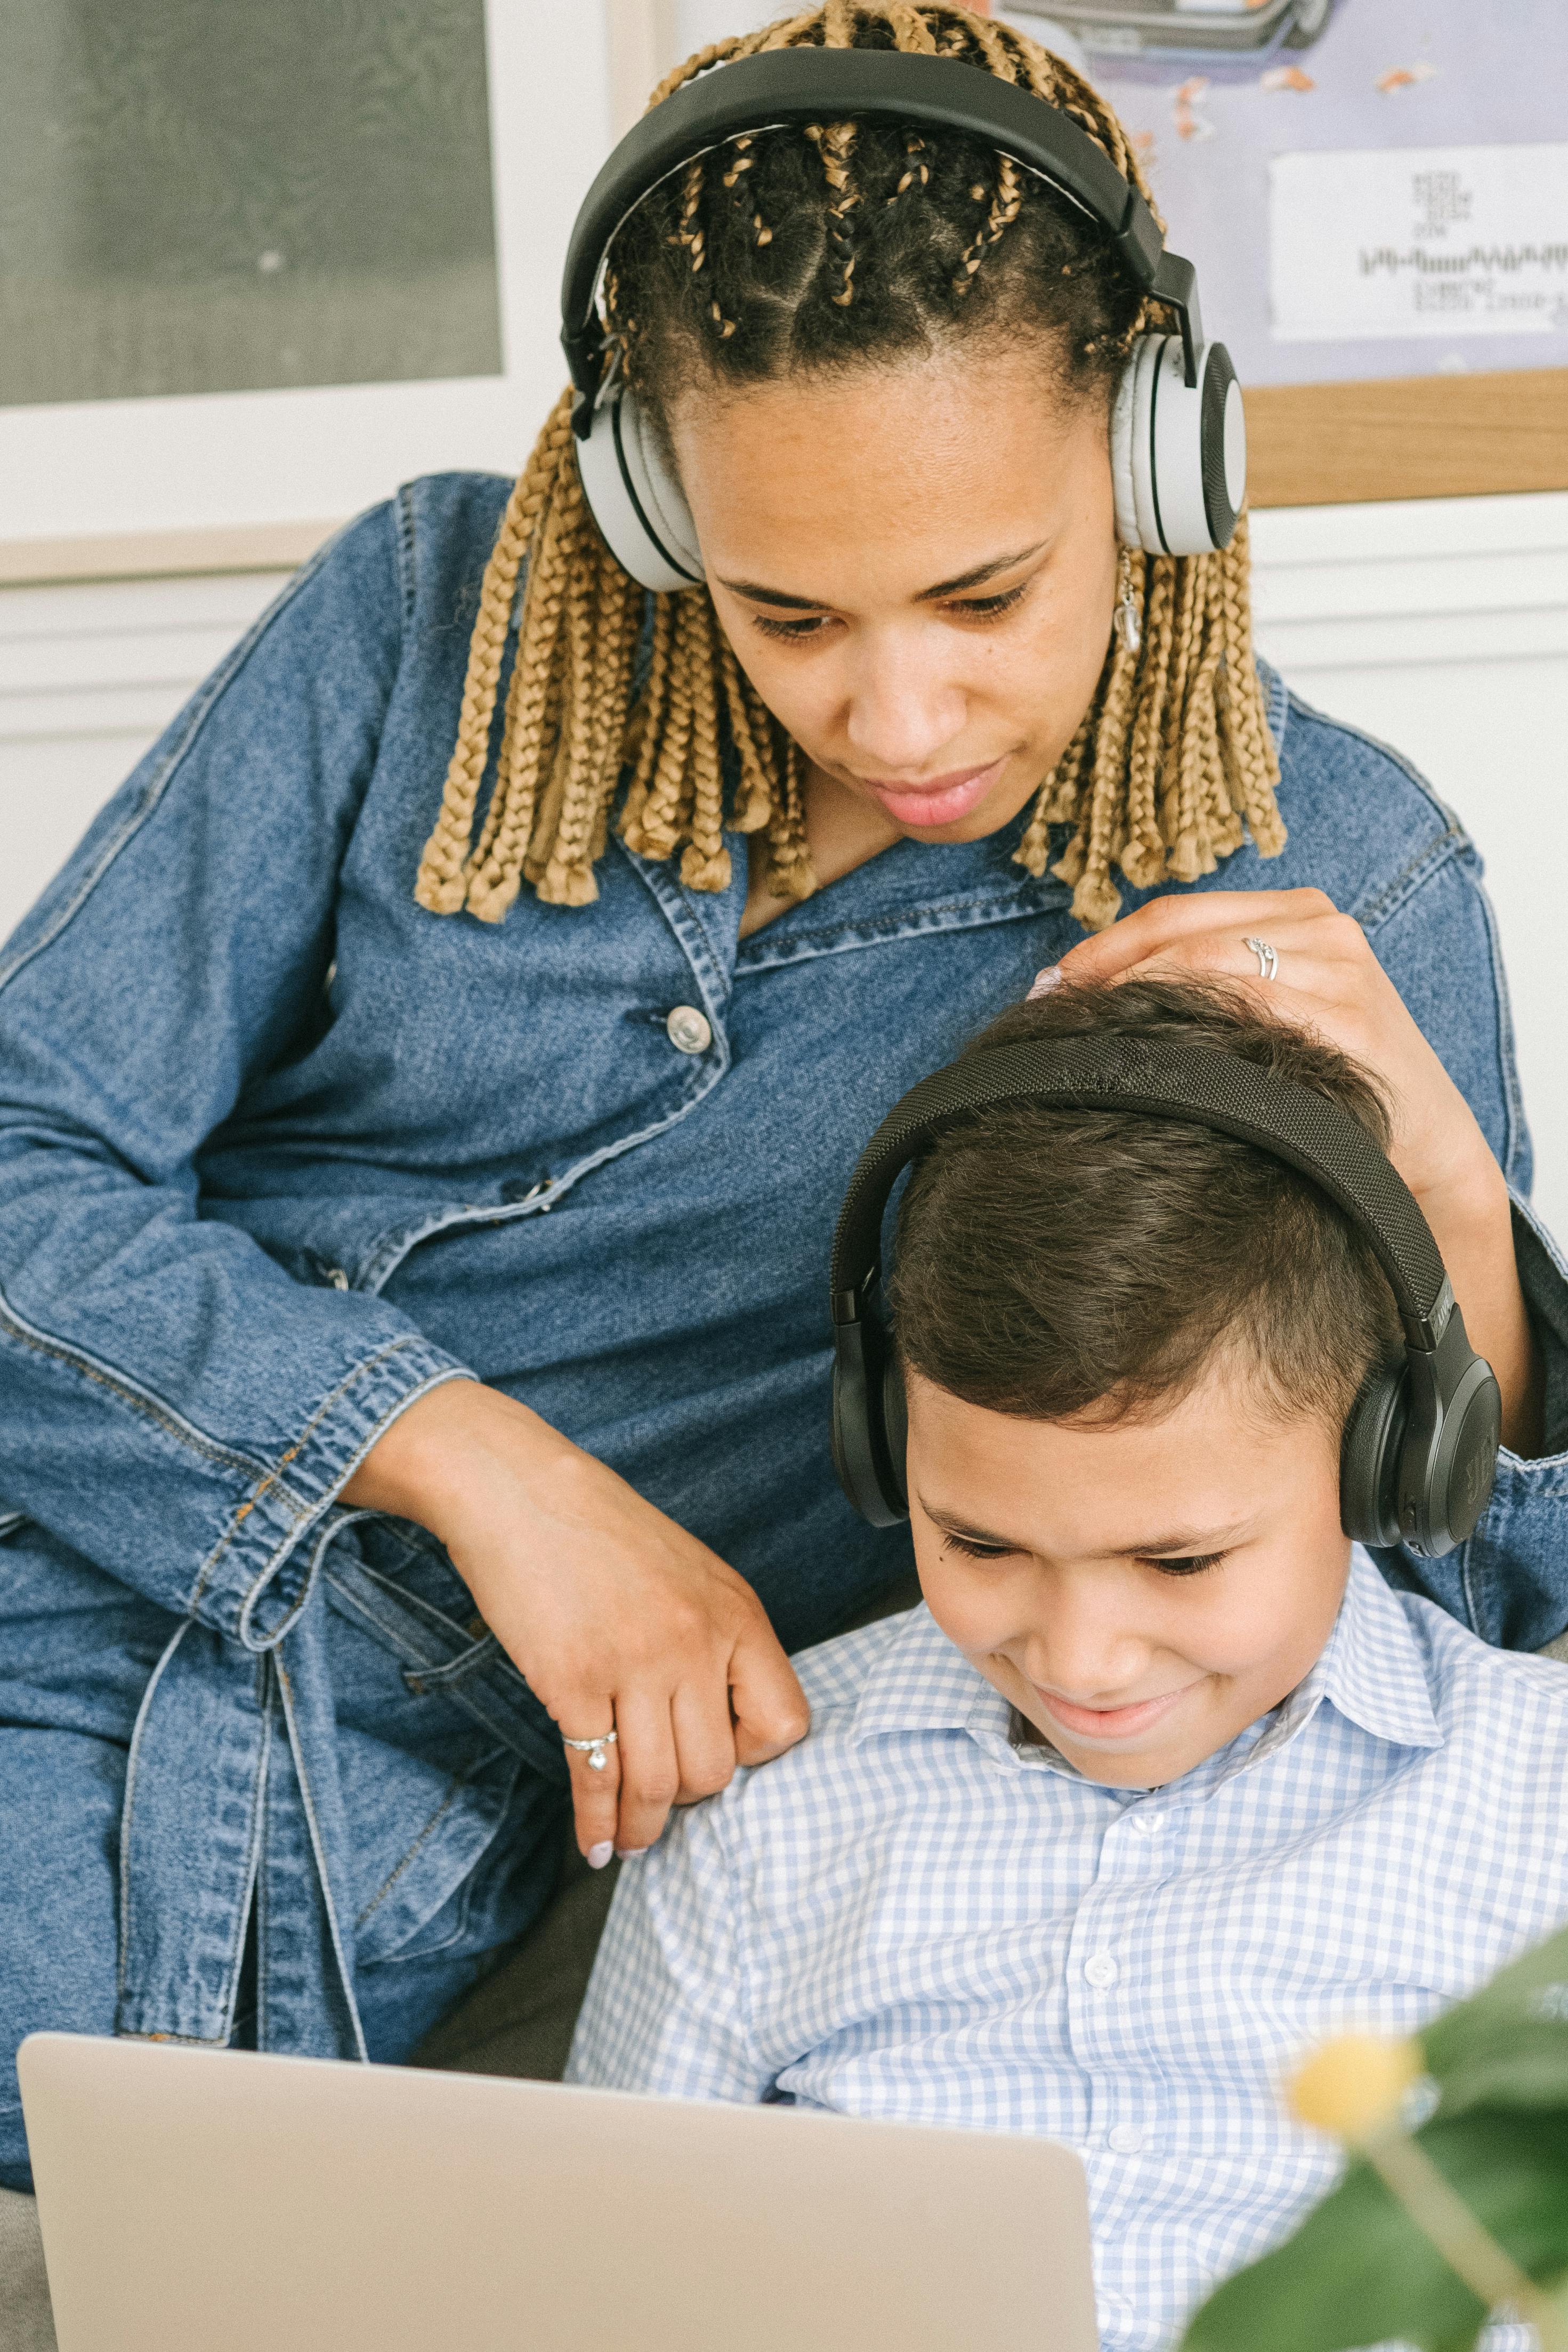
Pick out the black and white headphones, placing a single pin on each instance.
(1420, 1447)
(1178, 438)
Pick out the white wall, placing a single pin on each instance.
(1440, 627)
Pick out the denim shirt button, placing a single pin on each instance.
(689, 1030)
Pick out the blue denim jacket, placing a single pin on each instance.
(279, 1151)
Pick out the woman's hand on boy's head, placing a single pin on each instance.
(1327, 978)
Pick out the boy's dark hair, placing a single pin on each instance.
(1054, 1262)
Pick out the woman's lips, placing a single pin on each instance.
(946, 800)
(1108, 1722)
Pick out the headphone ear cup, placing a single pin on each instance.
(635, 500)
(1370, 1455)
(1130, 445)
(1178, 451)
(896, 1428)
(868, 1444)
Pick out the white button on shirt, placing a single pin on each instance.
(908, 1916)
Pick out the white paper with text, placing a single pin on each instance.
(1419, 241)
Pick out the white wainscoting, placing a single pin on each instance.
(1440, 627)
(91, 672)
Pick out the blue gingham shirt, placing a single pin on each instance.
(910, 1916)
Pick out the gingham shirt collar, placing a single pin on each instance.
(1371, 1669)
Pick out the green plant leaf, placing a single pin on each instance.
(1359, 2271)
(1506, 2046)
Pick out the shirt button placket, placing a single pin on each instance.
(1103, 2029)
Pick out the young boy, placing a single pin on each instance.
(1162, 1785)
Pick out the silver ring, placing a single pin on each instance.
(1267, 958)
(594, 1749)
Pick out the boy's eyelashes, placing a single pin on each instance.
(1187, 1563)
(972, 1550)
(1177, 1564)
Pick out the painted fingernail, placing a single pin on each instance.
(598, 1855)
(1044, 981)
(630, 1853)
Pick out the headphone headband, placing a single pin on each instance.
(1199, 1084)
(790, 86)
(1418, 1453)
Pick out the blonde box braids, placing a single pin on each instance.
(1172, 765)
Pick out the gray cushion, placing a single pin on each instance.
(26, 2322)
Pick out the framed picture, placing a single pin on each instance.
(260, 264)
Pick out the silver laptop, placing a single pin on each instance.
(192, 2199)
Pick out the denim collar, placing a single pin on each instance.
(907, 889)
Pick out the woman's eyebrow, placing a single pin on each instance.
(982, 572)
(757, 595)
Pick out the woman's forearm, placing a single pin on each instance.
(450, 1455)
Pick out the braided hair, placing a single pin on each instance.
(783, 251)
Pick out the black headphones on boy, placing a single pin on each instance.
(1421, 1443)
(1178, 438)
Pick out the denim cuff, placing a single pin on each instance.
(257, 1577)
(1544, 1278)
(1514, 1569)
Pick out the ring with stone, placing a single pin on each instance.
(1267, 957)
(594, 1749)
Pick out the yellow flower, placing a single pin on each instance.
(1355, 2086)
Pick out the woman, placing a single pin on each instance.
(415, 1206)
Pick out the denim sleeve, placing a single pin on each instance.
(172, 1403)
(1435, 936)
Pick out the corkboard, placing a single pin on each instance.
(1424, 437)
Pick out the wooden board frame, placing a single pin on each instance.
(1422, 437)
